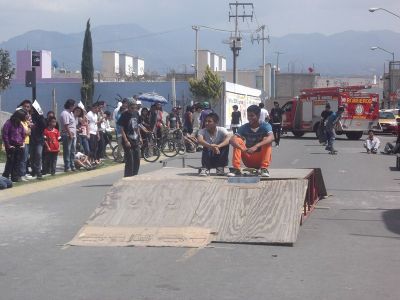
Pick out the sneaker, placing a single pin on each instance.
(23, 178)
(234, 172)
(28, 176)
(204, 172)
(264, 173)
(220, 171)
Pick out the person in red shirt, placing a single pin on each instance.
(52, 146)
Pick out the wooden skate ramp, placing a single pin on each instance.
(178, 200)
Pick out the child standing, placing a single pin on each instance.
(52, 146)
(236, 119)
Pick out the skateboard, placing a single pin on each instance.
(333, 152)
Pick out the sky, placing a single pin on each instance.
(281, 17)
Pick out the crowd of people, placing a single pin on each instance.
(32, 141)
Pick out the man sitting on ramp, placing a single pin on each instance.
(215, 142)
(252, 144)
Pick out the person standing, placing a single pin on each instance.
(215, 142)
(264, 116)
(25, 156)
(188, 119)
(172, 119)
(13, 135)
(123, 108)
(52, 146)
(196, 119)
(276, 122)
(331, 123)
(321, 129)
(205, 112)
(93, 133)
(236, 119)
(130, 132)
(37, 142)
(68, 135)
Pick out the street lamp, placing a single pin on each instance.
(376, 47)
(374, 9)
(390, 69)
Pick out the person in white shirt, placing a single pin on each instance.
(264, 115)
(93, 132)
(372, 143)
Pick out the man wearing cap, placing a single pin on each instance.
(331, 123)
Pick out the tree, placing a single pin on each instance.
(87, 70)
(208, 88)
(6, 69)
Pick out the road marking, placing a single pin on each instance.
(188, 254)
(295, 161)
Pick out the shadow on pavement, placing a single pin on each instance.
(394, 169)
(391, 218)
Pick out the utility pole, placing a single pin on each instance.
(263, 39)
(196, 28)
(277, 59)
(236, 40)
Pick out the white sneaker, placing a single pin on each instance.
(23, 178)
(27, 177)
(264, 173)
(204, 172)
(220, 171)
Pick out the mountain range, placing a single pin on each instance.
(345, 53)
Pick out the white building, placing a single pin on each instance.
(110, 64)
(138, 66)
(126, 64)
(213, 60)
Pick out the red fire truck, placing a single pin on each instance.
(303, 114)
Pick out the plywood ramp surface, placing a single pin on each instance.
(265, 212)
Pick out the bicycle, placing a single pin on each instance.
(168, 145)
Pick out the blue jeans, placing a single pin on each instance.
(24, 160)
(330, 137)
(36, 151)
(84, 144)
(68, 152)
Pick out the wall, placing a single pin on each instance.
(289, 85)
(106, 91)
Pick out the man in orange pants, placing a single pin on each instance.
(252, 144)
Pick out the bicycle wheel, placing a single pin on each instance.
(180, 147)
(115, 152)
(168, 148)
(151, 153)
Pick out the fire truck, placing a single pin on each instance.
(303, 114)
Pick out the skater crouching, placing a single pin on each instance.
(215, 142)
(252, 144)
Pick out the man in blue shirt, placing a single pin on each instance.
(252, 144)
(331, 122)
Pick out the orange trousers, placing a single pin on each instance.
(257, 160)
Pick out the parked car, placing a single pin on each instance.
(388, 122)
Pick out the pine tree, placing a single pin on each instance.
(87, 70)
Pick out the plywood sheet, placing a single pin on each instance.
(263, 212)
(143, 236)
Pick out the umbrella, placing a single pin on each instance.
(152, 97)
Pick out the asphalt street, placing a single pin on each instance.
(349, 248)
